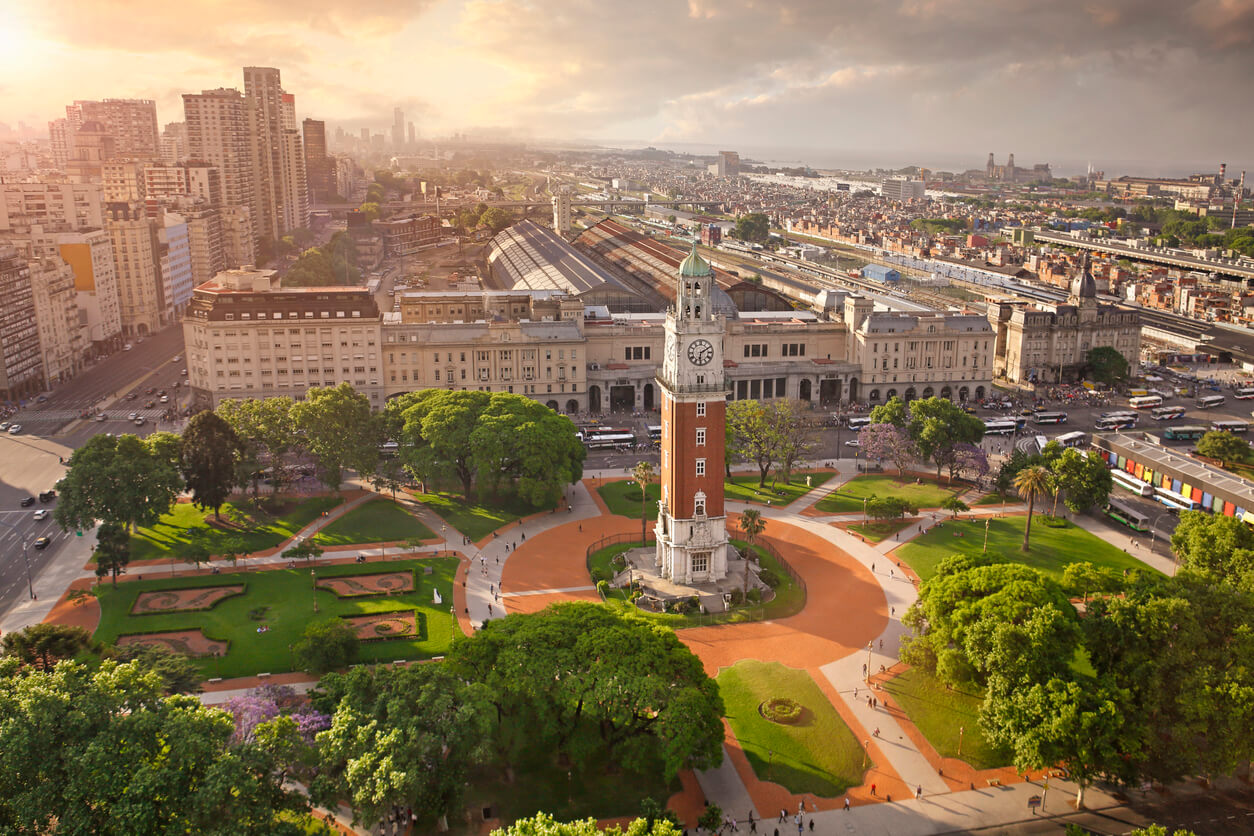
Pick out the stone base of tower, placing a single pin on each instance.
(691, 551)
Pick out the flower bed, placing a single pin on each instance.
(186, 599)
(370, 583)
(781, 710)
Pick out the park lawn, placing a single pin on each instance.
(288, 596)
(875, 532)
(623, 498)
(476, 520)
(938, 713)
(818, 755)
(257, 528)
(849, 496)
(1053, 549)
(997, 499)
(377, 521)
(744, 488)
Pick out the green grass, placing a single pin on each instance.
(1053, 549)
(938, 713)
(376, 521)
(289, 595)
(848, 497)
(744, 488)
(475, 519)
(623, 499)
(996, 499)
(875, 532)
(253, 527)
(789, 598)
(818, 755)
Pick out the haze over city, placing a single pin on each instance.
(845, 84)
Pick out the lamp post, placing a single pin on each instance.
(987, 520)
(313, 576)
(961, 729)
(866, 745)
(864, 502)
(869, 646)
(30, 586)
(1154, 528)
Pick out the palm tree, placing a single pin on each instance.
(1031, 482)
(752, 524)
(643, 474)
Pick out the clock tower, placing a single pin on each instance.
(691, 525)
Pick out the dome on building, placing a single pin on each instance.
(694, 265)
(1084, 286)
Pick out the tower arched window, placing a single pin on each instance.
(698, 504)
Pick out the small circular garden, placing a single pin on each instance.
(782, 710)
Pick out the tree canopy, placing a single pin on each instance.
(1223, 445)
(543, 824)
(754, 227)
(768, 434)
(210, 451)
(340, 431)
(118, 480)
(334, 263)
(1106, 365)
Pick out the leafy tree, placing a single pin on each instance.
(304, 550)
(1159, 830)
(44, 644)
(435, 442)
(752, 524)
(711, 818)
(1223, 445)
(887, 441)
(496, 219)
(389, 475)
(954, 505)
(967, 458)
(118, 480)
(1085, 480)
(178, 673)
(630, 691)
(521, 444)
(399, 737)
(753, 227)
(938, 426)
(543, 824)
(113, 550)
(340, 431)
(1106, 365)
(893, 412)
(104, 752)
(266, 425)
(642, 473)
(1085, 579)
(369, 210)
(752, 435)
(794, 439)
(165, 447)
(210, 451)
(326, 645)
(1031, 482)
(1216, 547)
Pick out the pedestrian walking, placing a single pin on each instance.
(881, 644)
(489, 609)
(892, 610)
(846, 804)
(753, 826)
(872, 567)
(918, 791)
(855, 692)
(811, 824)
(783, 815)
(875, 702)
(877, 731)
(872, 790)
(581, 526)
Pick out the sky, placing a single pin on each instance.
(929, 82)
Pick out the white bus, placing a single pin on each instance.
(1049, 417)
(1210, 401)
(1145, 401)
(1167, 413)
(858, 423)
(1230, 426)
(1245, 393)
(655, 432)
(1073, 439)
(1116, 421)
(995, 426)
(1130, 482)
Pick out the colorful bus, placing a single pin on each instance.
(1167, 413)
(1184, 433)
(1116, 421)
(1145, 401)
(1210, 401)
(1049, 417)
(1245, 393)
(1230, 426)
(1126, 514)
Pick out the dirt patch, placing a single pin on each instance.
(189, 642)
(183, 600)
(385, 625)
(354, 586)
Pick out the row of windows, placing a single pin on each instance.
(637, 352)
(771, 387)
(230, 317)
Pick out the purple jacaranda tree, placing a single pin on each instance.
(885, 441)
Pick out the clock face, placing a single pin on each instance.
(700, 352)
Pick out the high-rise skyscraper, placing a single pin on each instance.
(21, 367)
(217, 133)
(174, 142)
(131, 122)
(398, 127)
(61, 135)
(317, 165)
(281, 199)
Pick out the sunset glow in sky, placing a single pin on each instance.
(1133, 78)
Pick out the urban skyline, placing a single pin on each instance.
(1057, 81)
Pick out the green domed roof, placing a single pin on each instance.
(694, 265)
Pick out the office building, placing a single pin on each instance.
(61, 140)
(319, 168)
(174, 143)
(902, 189)
(89, 253)
(405, 235)
(66, 206)
(62, 339)
(132, 123)
(21, 365)
(281, 196)
(727, 164)
(174, 239)
(413, 135)
(137, 254)
(247, 337)
(218, 134)
(94, 145)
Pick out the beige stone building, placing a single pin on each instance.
(90, 255)
(1040, 343)
(62, 341)
(137, 256)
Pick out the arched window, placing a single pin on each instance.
(698, 504)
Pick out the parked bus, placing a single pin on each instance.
(1127, 515)
(1145, 401)
(1073, 439)
(1049, 418)
(1184, 433)
(1210, 401)
(1116, 421)
(596, 442)
(655, 432)
(1129, 482)
(1245, 393)
(997, 426)
(1230, 426)
(1167, 413)
(858, 423)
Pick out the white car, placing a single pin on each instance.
(100, 417)
(132, 416)
(165, 399)
(127, 347)
(15, 429)
(853, 442)
(139, 422)
(41, 514)
(176, 358)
